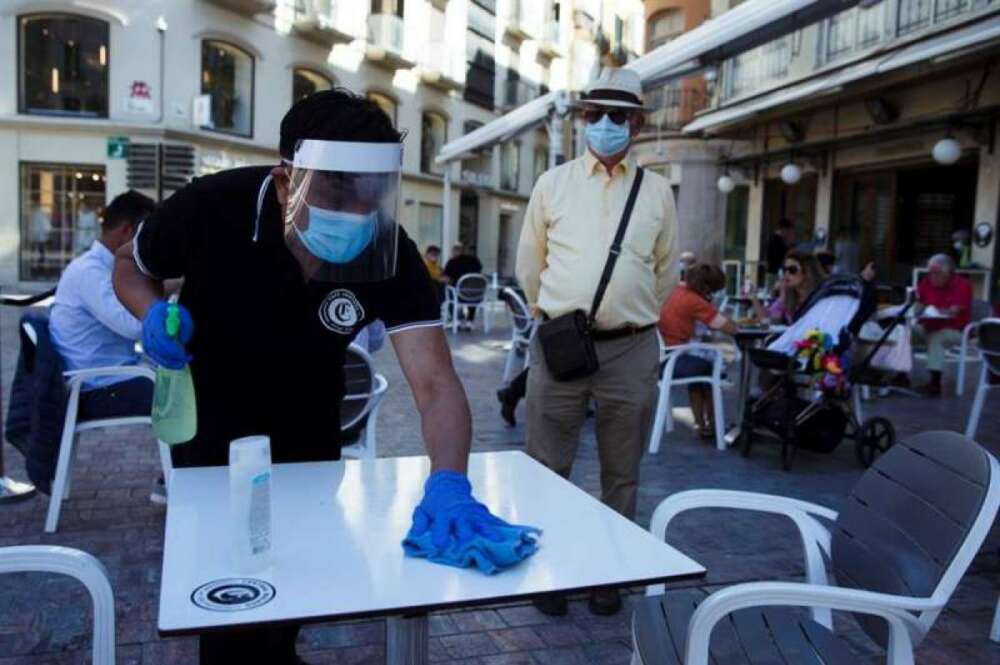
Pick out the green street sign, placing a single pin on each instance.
(118, 147)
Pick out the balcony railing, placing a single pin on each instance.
(437, 59)
(847, 34)
(386, 32)
(519, 18)
(518, 93)
(673, 106)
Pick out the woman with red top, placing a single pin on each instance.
(689, 304)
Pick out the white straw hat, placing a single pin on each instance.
(615, 87)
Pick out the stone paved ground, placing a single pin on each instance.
(45, 619)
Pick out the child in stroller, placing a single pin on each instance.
(808, 405)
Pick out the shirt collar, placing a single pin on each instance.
(594, 166)
(101, 252)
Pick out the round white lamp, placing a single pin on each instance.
(726, 183)
(791, 173)
(947, 151)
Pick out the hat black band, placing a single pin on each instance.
(605, 94)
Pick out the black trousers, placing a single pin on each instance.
(267, 645)
(119, 400)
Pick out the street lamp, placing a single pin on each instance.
(726, 184)
(791, 173)
(947, 151)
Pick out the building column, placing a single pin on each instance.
(988, 206)
(755, 220)
(824, 200)
(700, 213)
(445, 211)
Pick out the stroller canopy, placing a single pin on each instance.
(839, 307)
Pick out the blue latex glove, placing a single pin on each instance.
(451, 527)
(165, 350)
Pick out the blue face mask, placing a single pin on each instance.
(606, 138)
(336, 236)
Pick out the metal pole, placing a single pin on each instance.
(446, 211)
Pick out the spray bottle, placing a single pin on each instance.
(175, 416)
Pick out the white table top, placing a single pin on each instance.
(337, 528)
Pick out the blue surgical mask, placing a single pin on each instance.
(336, 236)
(606, 138)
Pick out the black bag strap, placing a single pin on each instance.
(616, 246)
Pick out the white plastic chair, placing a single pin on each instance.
(81, 566)
(72, 427)
(995, 630)
(967, 351)
(364, 392)
(989, 347)
(469, 292)
(522, 325)
(906, 535)
(664, 420)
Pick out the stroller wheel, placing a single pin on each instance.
(874, 437)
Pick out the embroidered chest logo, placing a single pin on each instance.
(341, 311)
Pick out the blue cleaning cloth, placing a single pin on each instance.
(450, 527)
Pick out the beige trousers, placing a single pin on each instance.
(938, 343)
(623, 390)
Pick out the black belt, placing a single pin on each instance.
(618, 333)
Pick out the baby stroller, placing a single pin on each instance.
(799, 410)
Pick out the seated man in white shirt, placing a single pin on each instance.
(90, 328)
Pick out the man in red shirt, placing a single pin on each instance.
(951, 296)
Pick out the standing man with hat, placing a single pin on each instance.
(570, 229)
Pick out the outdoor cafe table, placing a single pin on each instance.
(336, 532)
(747, 337)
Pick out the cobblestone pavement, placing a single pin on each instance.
(45, 619)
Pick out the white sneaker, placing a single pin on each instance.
(159, 493)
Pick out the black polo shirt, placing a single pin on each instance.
(268, 346)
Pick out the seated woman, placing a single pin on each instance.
(801, 274)
(691, 303)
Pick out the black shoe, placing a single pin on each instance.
(605, 602)
(553, 604)
(508, 406)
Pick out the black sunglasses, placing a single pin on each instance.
(595, 115)
(791, 269)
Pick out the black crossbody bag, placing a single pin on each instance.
(567, 341)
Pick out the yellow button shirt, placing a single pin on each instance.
(569, 226)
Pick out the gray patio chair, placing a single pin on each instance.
(967, 352)
(81, 566)
(470, 292)
(989, 348)
(906, 534)
(364, 390)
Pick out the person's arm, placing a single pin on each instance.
(99, 298)
(136, 290)
(724, 325)
(665, 252)
(445, 419)
(532, 248)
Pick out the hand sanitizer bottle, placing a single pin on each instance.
(175, 415)
(250, 502)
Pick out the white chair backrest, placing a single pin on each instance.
(85, 568)
(519, 312)
(359, 386)
(989, 343)
(472, 288)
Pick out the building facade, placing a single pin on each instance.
(99, 97)
(874, 132)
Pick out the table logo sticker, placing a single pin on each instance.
(341, 312)
(233, 595)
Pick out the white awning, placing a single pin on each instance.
(503, 128)
(747, 25)
(976, 36)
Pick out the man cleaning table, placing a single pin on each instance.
(282, 267)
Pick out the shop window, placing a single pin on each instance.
(63, 65)
(663, 27)
(306, 82)
(433, 136)
(510, 166)
(541, 161)
(227, 73)
(61, 209)
(384, 102)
